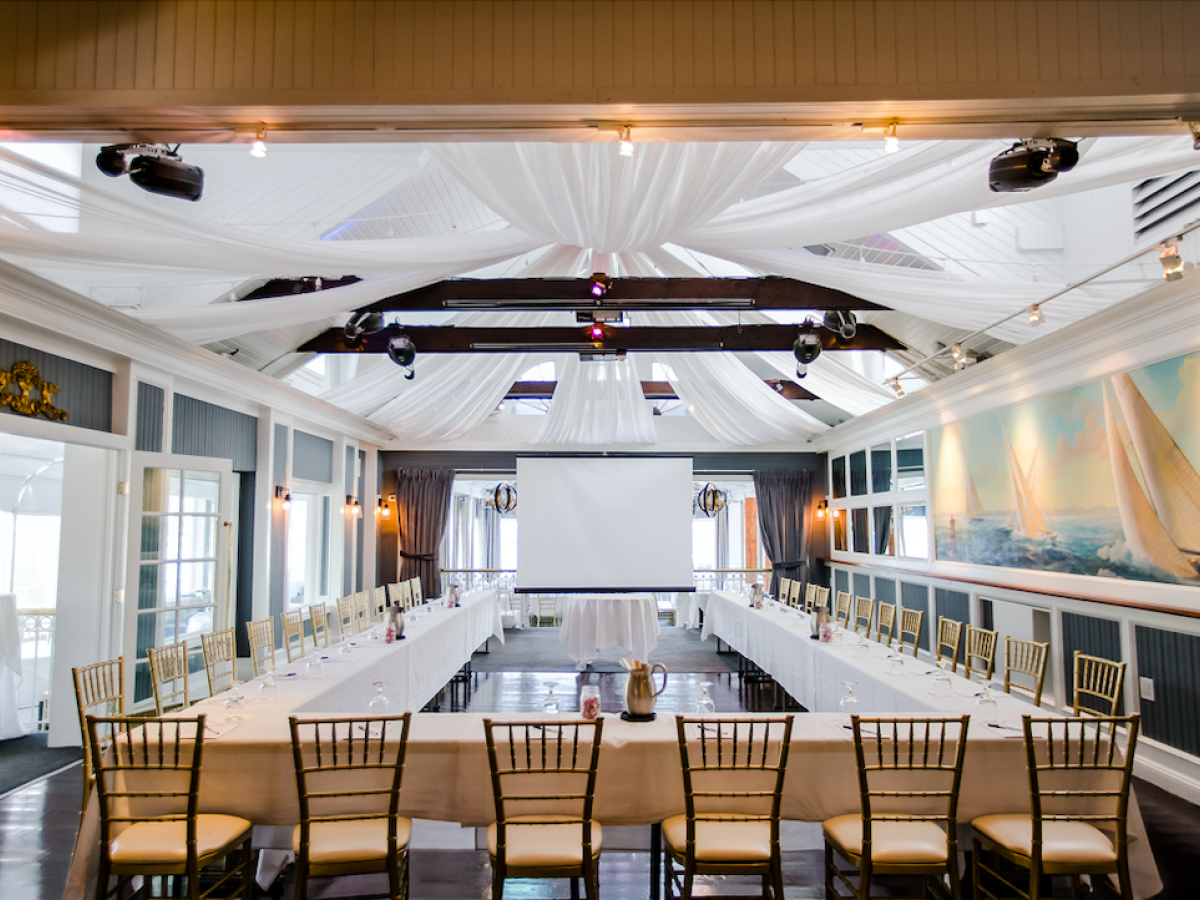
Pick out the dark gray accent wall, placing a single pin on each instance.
(1089, 635)
(1172, 659)
(203, 429)
(952, 604)
(347, 569)
(312, 457)
(276, 598)
(245, 560)
(862, 585)
(841, 582)
(702, 463)
(151, 405)
(85, 393)
(916, 596)
(885, 590)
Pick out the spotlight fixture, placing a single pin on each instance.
(361, 323)
(626, 147)
(891, 142)
(1172, 263)
(596, 331)
(601, 284)
(1195, 129)
(821, 507)
(806, 349)
(1036, 317)
(153, 167)
(957, 351)
(284, 497)
(403, 352)
(259, 148)
(1031, 163)
(843, 323)
(898, 387)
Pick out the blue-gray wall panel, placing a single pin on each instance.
(312, 458)
(885, 590)
(1090, 635)
(862, 585)
(841, 582)
(204, 429)
(278, 525)
(916, 596)
(953, 604)
(151, 403)
(1172, 659)
(84, 392)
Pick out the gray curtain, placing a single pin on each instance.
(783, 509)
(422, 505)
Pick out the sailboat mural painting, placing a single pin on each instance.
(1099, 480)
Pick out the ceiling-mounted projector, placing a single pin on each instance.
(843, 323)
(153, 167)
(1031, 163)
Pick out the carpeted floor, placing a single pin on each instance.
(540, 650)
(24, 759)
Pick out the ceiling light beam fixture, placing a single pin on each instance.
(891, 141)
(1036, 317)
(1173, 265)
(807, 348)
(601, 284)
(1030, 163)
(898, 388)
(259, 148)
(626, 147)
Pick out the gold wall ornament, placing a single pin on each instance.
(25, 379)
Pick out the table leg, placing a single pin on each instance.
(655, 860)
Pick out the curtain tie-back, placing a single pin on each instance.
(787, 564)
(424, 556)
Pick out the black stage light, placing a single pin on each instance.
(153, 167)
(403, 352)
(806, 349)
(361, 323)
(1031, 163)
(843, 323)
(111, 161)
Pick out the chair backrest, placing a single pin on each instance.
(1028, 659)
(821, 597)
(948, 639)
(150, 771)
(796, 592)
(545, 768)
(864, 613)
(783, 590)
(1098, 683)
(1080, 759)
(169, 676)
(885, 625)
(318, 615)
(379, 604)
(979, 657)
(911, 622)
(346, 620)
(262, 644)
(406, 595)
(361, 758)
(362, 612)
(293, 633)
(810, 597)
(733, 768)
(842, 613)
(418, 595)
(220, 659)
(99, 688)
(889, 751)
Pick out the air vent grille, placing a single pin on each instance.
(1164, 206)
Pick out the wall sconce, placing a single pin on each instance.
(821, 507)
(284, 497)
(357, 510)
(352, 506)
(385, 511)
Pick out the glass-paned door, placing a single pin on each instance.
(180, 557)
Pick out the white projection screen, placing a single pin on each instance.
(604, 523)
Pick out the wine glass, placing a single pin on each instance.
(235, 700)
(986, 705)
(379, 706)
(268, 690)
(704, 703)
(942, 686)
(861, 648)
(550, 701)
(849, 702)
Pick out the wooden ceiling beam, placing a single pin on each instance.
(652, 390)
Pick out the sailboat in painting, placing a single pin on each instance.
(974, 510)
(1027, 520)
(1162, 521)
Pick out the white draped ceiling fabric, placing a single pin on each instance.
(579, 208)
(598, 402)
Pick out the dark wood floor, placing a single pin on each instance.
(38, 823)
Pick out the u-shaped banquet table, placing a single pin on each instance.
(248, 766)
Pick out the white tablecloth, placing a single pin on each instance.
(593, 622)
(10, 668)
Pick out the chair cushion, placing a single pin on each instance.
(544, 846)
(892, 843)
(1063, 843)
(150, 843)
(358, 840)
(748, 841)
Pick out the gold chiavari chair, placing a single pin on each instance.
(783, 590)
(810, 597)
(543, 783)
(169, 676)
(1079, 797)
(99, 688)
(902, 829)
(796, 593)
(733, 772)
(980, 653)
(949, 637)
(842, 614)
(293, 633)
(318, 615)
(1027, 659)
(379, 604)
(821, 597)
(911, 622)
(148, 784)
(864, 613)
(885, 625)
(262, 644)
(220, 660)
(395, 597)
(406, 595)
(346, 620)
(362, 612)
(361, 758)
(418, 594)
(547, 610)
(1097, 685)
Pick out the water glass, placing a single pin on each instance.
(862, 649)
(849, 703)
(550, 702)
(267, 688)
(942, 686)
(704, 703)
(986, 707)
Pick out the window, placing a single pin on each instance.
(914, 532)
(910, 461)
(308, 548)
(859, 530)
(839, 477)
(881, 468)
(858, 473)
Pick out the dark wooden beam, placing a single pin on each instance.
(652, 390)
(630, 294)
(455, 339)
